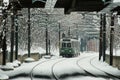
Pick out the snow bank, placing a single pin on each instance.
(84, 78)
(33, 50)
(105, 67)
(29, 60)
(85, 64)
(8, 66)
(25, 68)
(116, 52)
(3, 77)
(65, 66)
(17, 62)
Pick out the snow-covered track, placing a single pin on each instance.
(110, 74)
(77, 63)
(31, 73)
(88, 68)
(53, 75)
(53, 71)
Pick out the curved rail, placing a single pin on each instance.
(52, 68)
(31, 72)
(53, 73)
(77, 63)
(102, 70)
(108, 75)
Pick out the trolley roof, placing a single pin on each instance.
(68, 39)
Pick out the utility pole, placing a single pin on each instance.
(29, 33)
(3, 35)
(111, 45)
(4, 48)
(46, 41)
(100, 38)
(16, 36)
(111, 39)
(49, 46)
(59, 37)
(12, 33)
(104, 36)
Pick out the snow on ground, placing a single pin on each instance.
(70, 78)
(85, 64)
(33, 50)
(29, 59)
(36, 49)
(25, 68)
(105, 67)
(116, 52)
(68, 67)
(84, 78)
(3, 77)
(17, 62)
(55, 52)
(65, 66)
(45, 69)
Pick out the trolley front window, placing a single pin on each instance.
(63, 45)
(68, 44)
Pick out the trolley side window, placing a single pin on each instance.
(69, 45)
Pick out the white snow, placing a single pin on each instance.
(84, 78)
(29, 60)
(12, 64)
(6, 2)
(8, 66)
(67, 66)
(105, 67)
(85, 64)
(45, 69)
(116, 1)
(55, 52)
(87, 61)
(116, 52)
(3, 77)
(33, 50)
(17, 62)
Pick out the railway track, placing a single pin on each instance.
(107, 75)
(111, 75)
(77, 63)
(31, 72)
(53, 73)
(87, 71)
(52, 68)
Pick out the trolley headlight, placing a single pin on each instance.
(70, 50)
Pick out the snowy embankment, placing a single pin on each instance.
(33, 50)
(3, 76)
(66, 68)
(103, 66)
(24, 69)
(116, 52)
